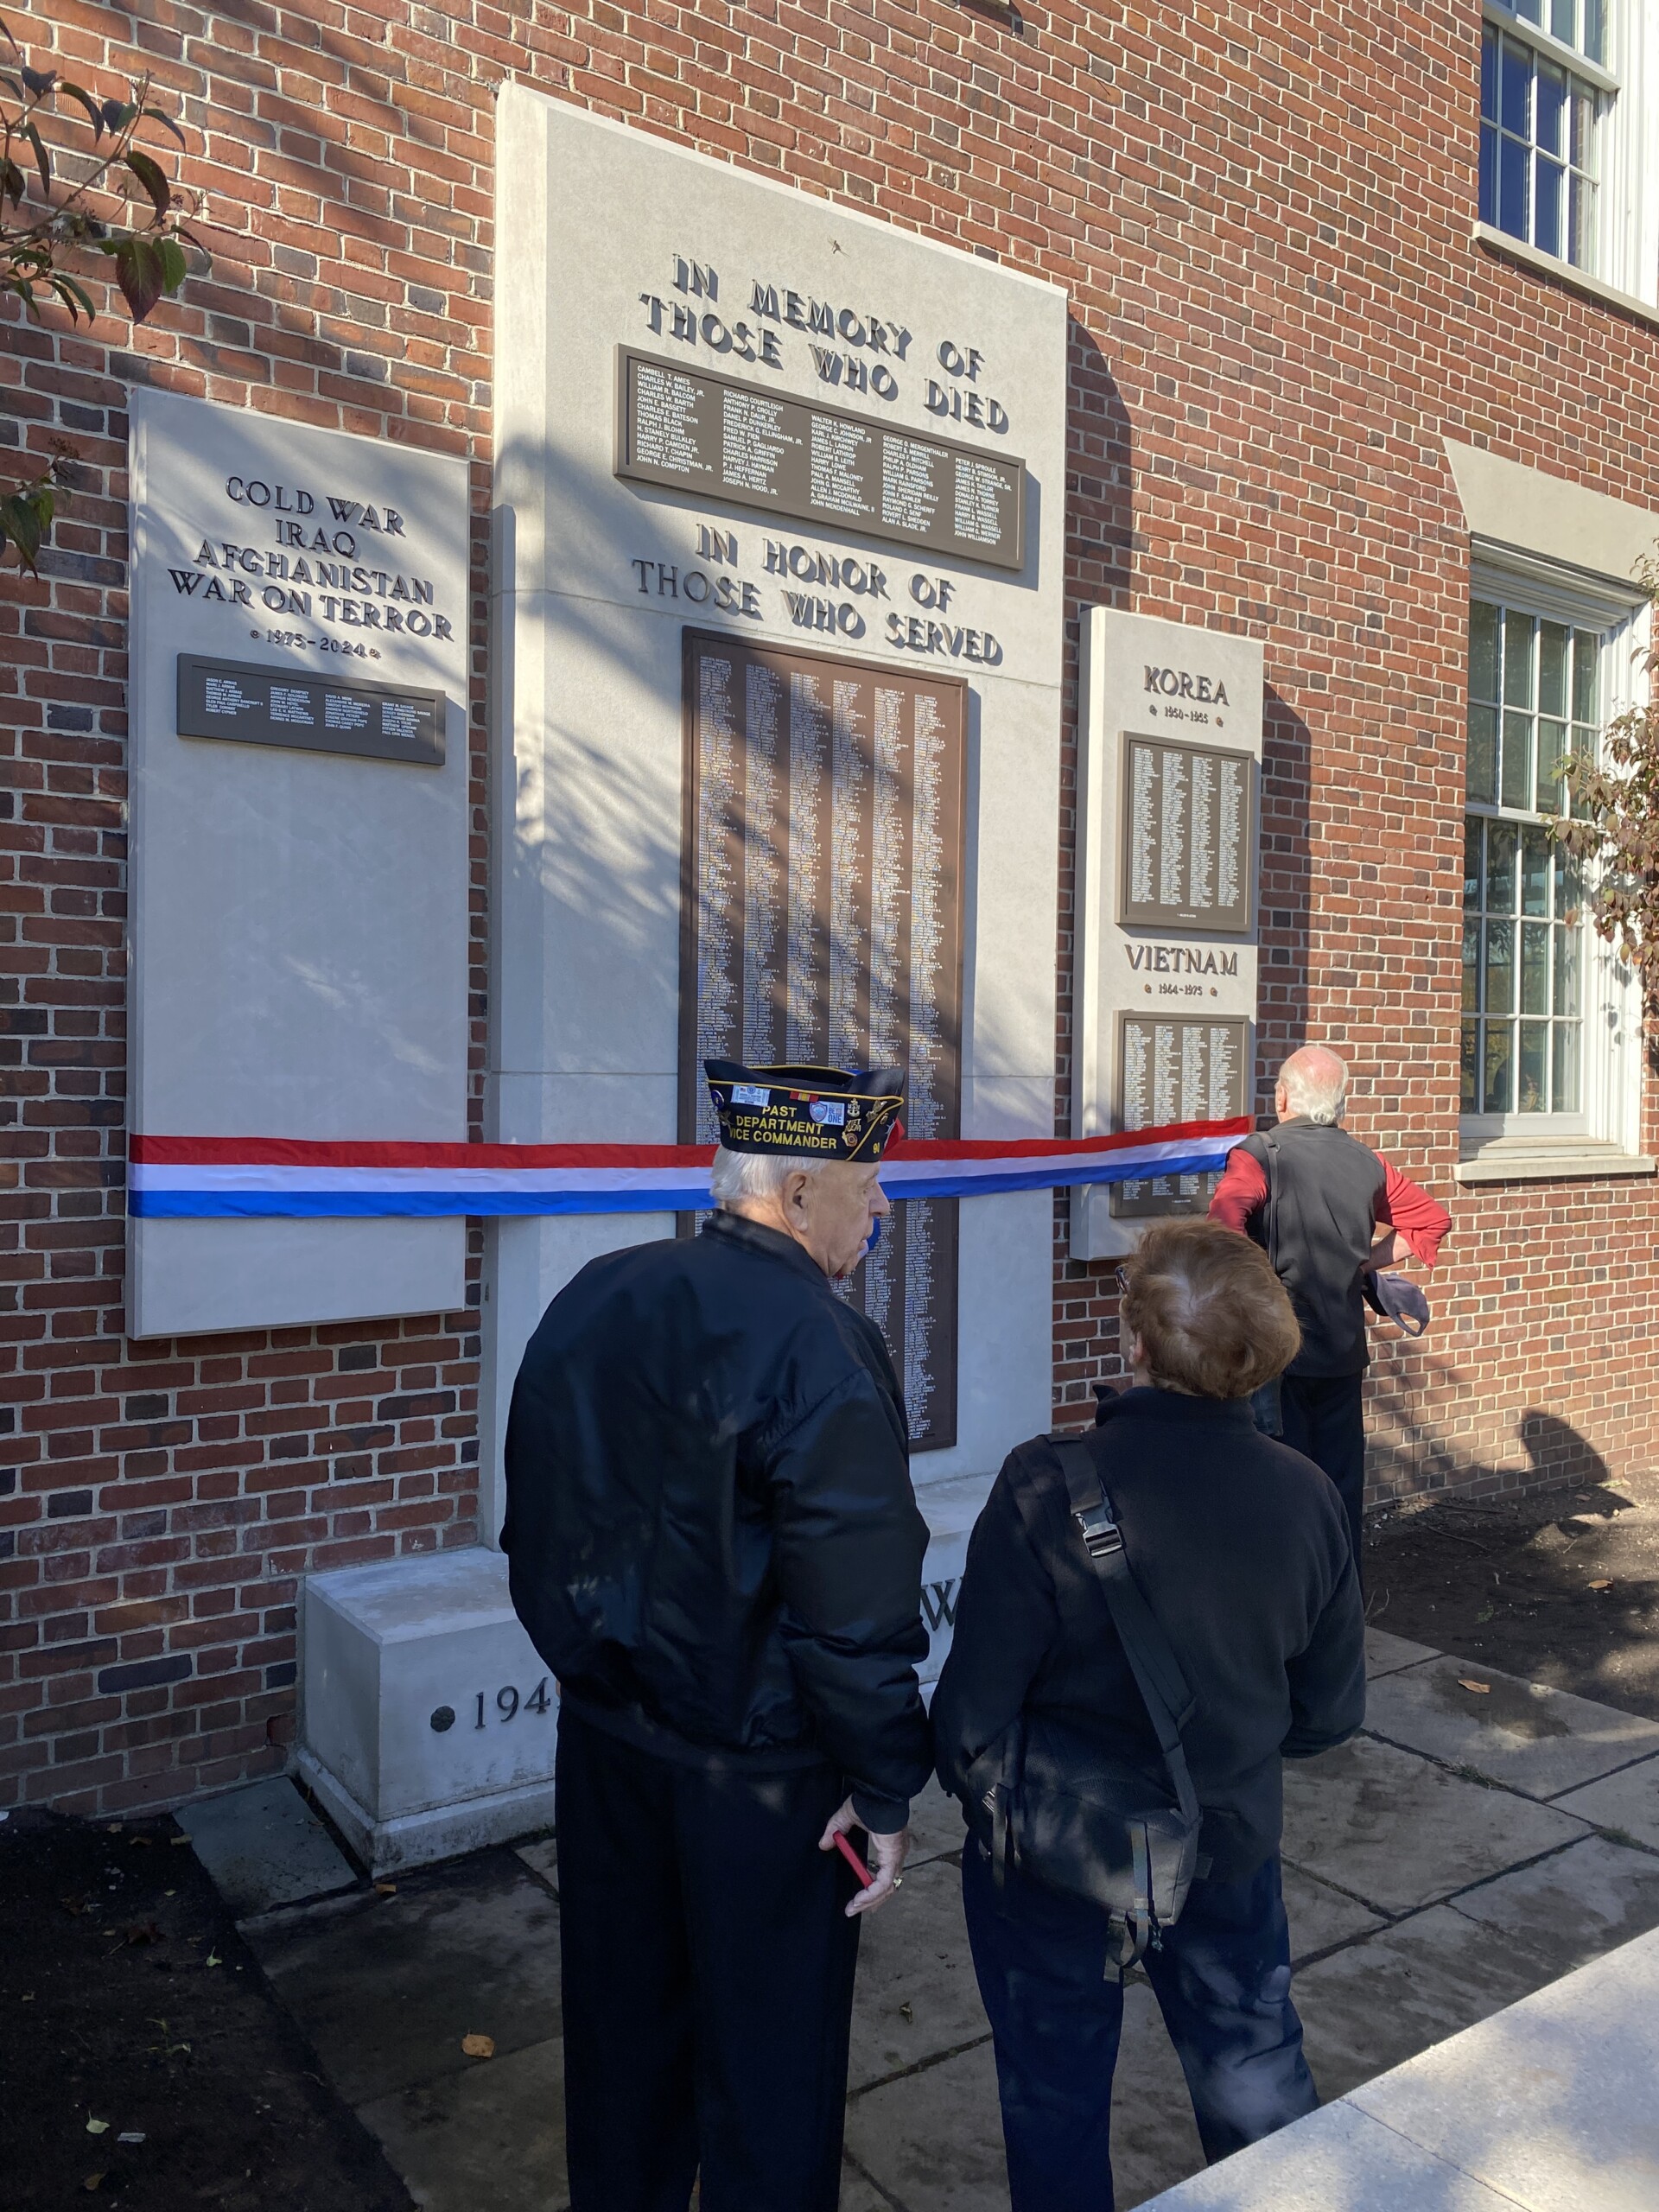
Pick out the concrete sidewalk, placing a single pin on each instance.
(1550, 2106)
(1475, 1844)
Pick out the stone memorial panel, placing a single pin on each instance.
(298, 933)
(710, 436)
(1166, 954)
(822, 922)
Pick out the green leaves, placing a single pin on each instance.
(148, 175)
(1614, 825)
(38, 237)
(25, 517)
(123, 208)
(139, 270)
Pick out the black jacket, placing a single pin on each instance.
(1319, 1228)
(1241, 1548)
(711, 1536)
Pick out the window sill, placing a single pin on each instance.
(1517, 1159)
(1576, 280)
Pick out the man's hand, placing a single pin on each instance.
(890, 1854)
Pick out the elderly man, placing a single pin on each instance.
(713, 1545)
(1316, 1199)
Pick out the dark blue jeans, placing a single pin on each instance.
(1221, 1981)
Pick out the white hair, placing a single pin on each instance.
(1315, 1084)
(756, 1174)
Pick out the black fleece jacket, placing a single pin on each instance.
(711, 1536)
(1241, 1548)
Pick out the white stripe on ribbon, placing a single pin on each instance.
(222, 1188)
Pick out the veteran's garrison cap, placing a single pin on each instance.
(831, 1113)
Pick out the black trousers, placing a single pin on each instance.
(1324, 1418)
(708, 1981)
(1221, 1980)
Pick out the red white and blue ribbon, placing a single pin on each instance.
(220, 1177)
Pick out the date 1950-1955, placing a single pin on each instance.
(507, 1705)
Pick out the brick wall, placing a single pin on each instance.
(1263, 223)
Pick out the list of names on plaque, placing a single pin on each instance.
(822, 923)
(686, 429)
(1188, 836)
(1177, 1069)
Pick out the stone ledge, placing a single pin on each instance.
(1552, 1164)
(1547, 2104)
(1505, 248)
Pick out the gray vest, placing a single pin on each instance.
(1318, 1226)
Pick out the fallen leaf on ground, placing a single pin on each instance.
(907, 2012)
(1601, 1582)
(178, 1838)
(479, 2046)
(92, 2181)
(385, 1889)
(98, 2128)
(1481, 1689)
(141, 1842)
(214, 1959)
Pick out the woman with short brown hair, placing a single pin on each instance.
(1239, 1548)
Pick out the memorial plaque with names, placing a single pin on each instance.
(820, 921)
(1189, 836)
(680, 426)
(253, 705)
(1177, 1069)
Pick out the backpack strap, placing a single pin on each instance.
(1170, 1703)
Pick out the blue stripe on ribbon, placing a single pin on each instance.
(243, 1205)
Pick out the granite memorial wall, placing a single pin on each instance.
(1171, 752)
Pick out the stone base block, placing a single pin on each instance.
(428, 1722)
(440, 1831)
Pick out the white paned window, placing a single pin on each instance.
(1538, 147)
(1569, 146)
(1547, 1008)
(1533, 697)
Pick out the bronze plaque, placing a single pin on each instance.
(1175, 1068)
(820, 920)
(251, 704)
(681, 426)
(1189, 836)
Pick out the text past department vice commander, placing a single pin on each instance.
(713, 1545)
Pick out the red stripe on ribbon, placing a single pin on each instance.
(346, 1151)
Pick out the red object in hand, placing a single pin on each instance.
(865, 1876)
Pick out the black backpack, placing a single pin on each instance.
(1063, 1810)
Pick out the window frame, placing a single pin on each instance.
(1625, 161)
(1609, 1075)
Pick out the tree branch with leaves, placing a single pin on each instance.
(1613, 826)
(76, 186)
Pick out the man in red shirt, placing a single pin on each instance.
(1327, 1209)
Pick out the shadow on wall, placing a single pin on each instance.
(1406, 1457)
(1284, 906)
(1100, 549)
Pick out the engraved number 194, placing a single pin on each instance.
(508, 1704)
